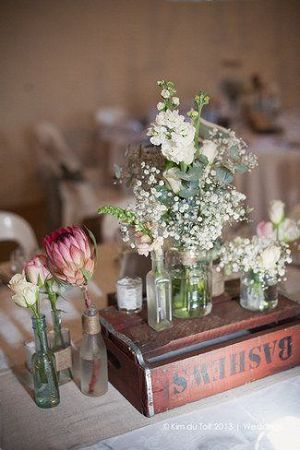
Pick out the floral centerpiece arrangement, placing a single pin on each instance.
(184, 195)
(262, 263)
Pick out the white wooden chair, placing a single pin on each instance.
(15, 228)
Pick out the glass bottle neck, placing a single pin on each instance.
(40, 334)
(157, 262)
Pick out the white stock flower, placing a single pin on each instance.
(26, 293)
(270, 257)
(276, 211)
(209, 149)
(171, 175)
(175, 135)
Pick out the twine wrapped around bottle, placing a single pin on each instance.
(90, 324)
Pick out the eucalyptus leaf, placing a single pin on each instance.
(203, 159)
(224, 175)
(189, 190)
(234, 152)
(194, 174)
(241, 168)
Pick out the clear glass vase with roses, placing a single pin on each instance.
(262, 264)
(46, 391)
(37, 272)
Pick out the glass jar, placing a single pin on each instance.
(191, 285)
(258, 295)
(93, 356)
(130, 295)
(159, 294)
(60, 340)
(46, 392)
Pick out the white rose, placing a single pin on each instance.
(26, 294)
(288, 230)
(172, 178)
(276, 211)
(175, 101)
(209, 149)
(160, 106)
(270, 257)
(17, 283)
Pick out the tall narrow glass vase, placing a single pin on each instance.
(46, 391)
(159, 294)
(59, 343)
(192, 286)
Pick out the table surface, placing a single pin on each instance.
(232, 420)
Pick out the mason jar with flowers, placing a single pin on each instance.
(262, 264)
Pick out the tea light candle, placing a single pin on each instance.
(130, 294)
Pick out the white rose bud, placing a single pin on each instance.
(160, 106)
(276, 211)
(173, 180)
(209, 149)
(270, 257)
(165, 93)
(26, 294)
(175, 101)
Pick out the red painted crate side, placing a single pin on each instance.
(210, 372)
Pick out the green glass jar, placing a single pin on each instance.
(191, 284)
(46, 391)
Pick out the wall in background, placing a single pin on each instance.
(61, 59)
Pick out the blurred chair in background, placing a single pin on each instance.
(70, 196)
(15, 228)
(115, 131)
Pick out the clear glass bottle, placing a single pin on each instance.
(93, 356)
(256, 295)
(159, 294)
(192, 288)
(58, 343)
(46, 391)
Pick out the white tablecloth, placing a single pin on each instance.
(236, 419)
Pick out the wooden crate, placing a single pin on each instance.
(197, 358)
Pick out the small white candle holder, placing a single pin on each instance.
(130, 295)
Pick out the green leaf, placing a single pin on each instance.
(241, 168)
(93, 239)
(193, 174)
(170, 165)
(234, 152)
(189, 190)
(87, 275)
(203, 159)
(224, 175)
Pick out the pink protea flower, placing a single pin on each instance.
(71, 256)
(36, 270)
(264, 229)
